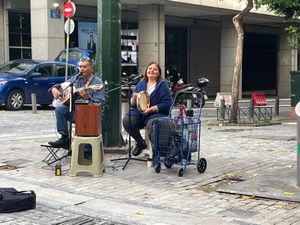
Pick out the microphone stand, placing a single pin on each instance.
(129, 119)
(71, 87)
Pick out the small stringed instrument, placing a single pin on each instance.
(64, 98)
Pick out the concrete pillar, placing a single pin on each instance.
(2, 28)
(47, 34)
(228, 51)
(151, 36)
(287, 61)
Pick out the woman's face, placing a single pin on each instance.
(153, 72)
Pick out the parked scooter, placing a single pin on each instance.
(182, 92)
(201, 94)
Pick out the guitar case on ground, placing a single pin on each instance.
(12, 200)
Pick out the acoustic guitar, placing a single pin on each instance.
(64, 98)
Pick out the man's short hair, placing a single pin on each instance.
(86, 59)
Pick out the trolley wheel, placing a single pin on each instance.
(201, 166)
(157, 168)
(168, 165)
(180, 172)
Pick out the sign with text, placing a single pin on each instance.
(87, 36)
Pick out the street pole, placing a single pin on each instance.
(297, 110)
(108, 64)
(67, 49)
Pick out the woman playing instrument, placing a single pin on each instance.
(160, 103)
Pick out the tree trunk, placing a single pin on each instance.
(238, 24)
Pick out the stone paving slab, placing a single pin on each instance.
(279, 184)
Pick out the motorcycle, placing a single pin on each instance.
(201, 98)
(182, 92)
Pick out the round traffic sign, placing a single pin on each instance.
(69, 26)
(69, 9)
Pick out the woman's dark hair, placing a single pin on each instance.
(159, 70)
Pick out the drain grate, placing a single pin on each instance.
(84, 220)
(226, 180)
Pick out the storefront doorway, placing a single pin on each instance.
(260, 63)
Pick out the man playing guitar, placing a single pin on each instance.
(81, 82)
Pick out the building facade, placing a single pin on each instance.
(196, 37)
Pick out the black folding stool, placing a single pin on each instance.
(53, 156)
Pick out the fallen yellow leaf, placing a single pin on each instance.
(247, 197)
(230, 174)
(288, 193)
(254, 175)
(140, 213)
(290, 165)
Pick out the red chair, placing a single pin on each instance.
(259, 99)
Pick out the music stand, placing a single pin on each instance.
(129, 119)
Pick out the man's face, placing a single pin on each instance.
(85, 68)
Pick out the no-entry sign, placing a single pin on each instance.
(69, 9)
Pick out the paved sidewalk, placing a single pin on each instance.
(138, 195)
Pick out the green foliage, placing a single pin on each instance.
(294, 31)
(287, 8)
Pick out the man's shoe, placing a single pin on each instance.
(63, 142)
(139, 148)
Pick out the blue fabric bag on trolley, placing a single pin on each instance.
(12, 200)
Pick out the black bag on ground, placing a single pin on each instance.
(12, 200)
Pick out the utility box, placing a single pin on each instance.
(295, 87)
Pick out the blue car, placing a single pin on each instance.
(74, 55)
(20, 78)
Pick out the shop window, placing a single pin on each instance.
(19, 35)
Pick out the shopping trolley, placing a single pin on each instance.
(176, 137)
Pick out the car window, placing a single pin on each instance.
(16, 67)
(45, 70)
(60, 70)
(75, 55)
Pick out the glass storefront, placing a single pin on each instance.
(19, 35)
